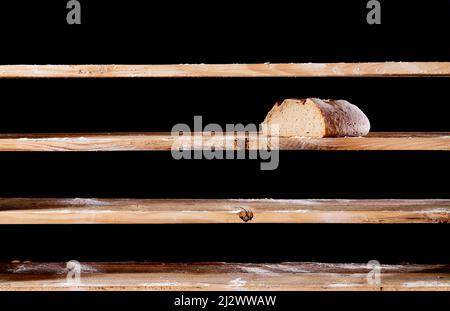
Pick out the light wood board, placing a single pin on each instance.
(159, 141)
(380, 69)
(131, 276)
(172, 211)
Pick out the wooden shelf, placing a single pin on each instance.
(128, 276)
(165, 211)
(131, 276)
(229, 141)
(380, 69)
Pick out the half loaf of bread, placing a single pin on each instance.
(313, 117)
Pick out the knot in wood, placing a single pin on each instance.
(245, 214)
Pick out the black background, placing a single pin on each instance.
(127, 32)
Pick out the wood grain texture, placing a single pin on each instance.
(131, 276)
(380, 69)
(175, 211)
(228, 141)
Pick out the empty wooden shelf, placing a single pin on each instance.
(172, 211)
(380, 69)
(129, 276)
(227, 141)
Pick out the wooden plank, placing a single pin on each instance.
(228, 141)
(380, 69)
(133, 276)
(173, 211)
